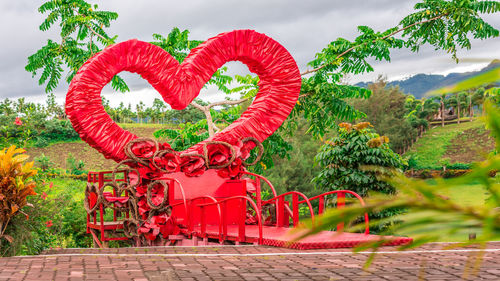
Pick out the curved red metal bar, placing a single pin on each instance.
(254, 206)
(367, 222)
(219, 212)
(264, 179)
(182, 193)
(306, 200)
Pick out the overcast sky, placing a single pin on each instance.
(303, 27)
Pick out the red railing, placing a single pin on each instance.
(101, 180)
(241, 221)
(280, 201)
(340, 204)
(183, 194)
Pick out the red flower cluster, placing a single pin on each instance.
(154, 160)
(18, 121)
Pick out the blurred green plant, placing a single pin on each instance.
(427, 208)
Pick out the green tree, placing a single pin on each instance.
(343, 160)
(391, 112)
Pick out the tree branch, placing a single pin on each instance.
(206, 110)
(97, 34)
(227, 102)
(381, 38)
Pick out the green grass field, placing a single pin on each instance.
(429, 149)
(465, 195)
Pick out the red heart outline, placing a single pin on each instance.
(179, 84)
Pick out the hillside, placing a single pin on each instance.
(94, 161)
(420, 84)
(457, 143)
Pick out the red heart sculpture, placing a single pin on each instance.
(179, 84)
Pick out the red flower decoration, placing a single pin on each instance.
(51, 184)
(218, 154)
(164, 146)
(48, 223)
(245, 149)
(169, 162)
(44, 195)
(143, 149)
(233, 170)
(18, 121)
(192, 166)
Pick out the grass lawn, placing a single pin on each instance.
(467, 195)
(429, 149)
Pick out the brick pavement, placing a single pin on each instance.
(429, 262)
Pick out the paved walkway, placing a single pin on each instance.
(431, 262)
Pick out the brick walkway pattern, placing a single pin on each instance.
(430, 262)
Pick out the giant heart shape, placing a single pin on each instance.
(179, 84)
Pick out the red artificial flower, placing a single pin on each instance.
(192, 166)
(164, 146)
(18, 121)
(233, 170)
(218, 154)
(133, 178)
(48, 223)
(144, 149)
(169, 162)
(170, 227)
(51, 184)
(43, 195)
(245, 149)
(148, 172)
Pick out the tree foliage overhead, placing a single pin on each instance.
(445, 24)
(81, 30)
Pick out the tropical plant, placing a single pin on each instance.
(343, 157)
(16, 185)
(75, 167)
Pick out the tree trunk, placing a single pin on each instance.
(458, 110)
(471, 110)
(442, 113)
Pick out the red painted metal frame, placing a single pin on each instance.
(241, 222)
(280, 199)
(195, 223)
(92, 223)
(340, 204)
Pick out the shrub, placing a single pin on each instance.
(15, 186)
(75, 167)
(344, 158)
(459, 166)
(41, 142)
(58, 219)
(58, 130)
(43, 162)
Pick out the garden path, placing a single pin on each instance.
(433, 261)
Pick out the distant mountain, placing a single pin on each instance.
(420, 84)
